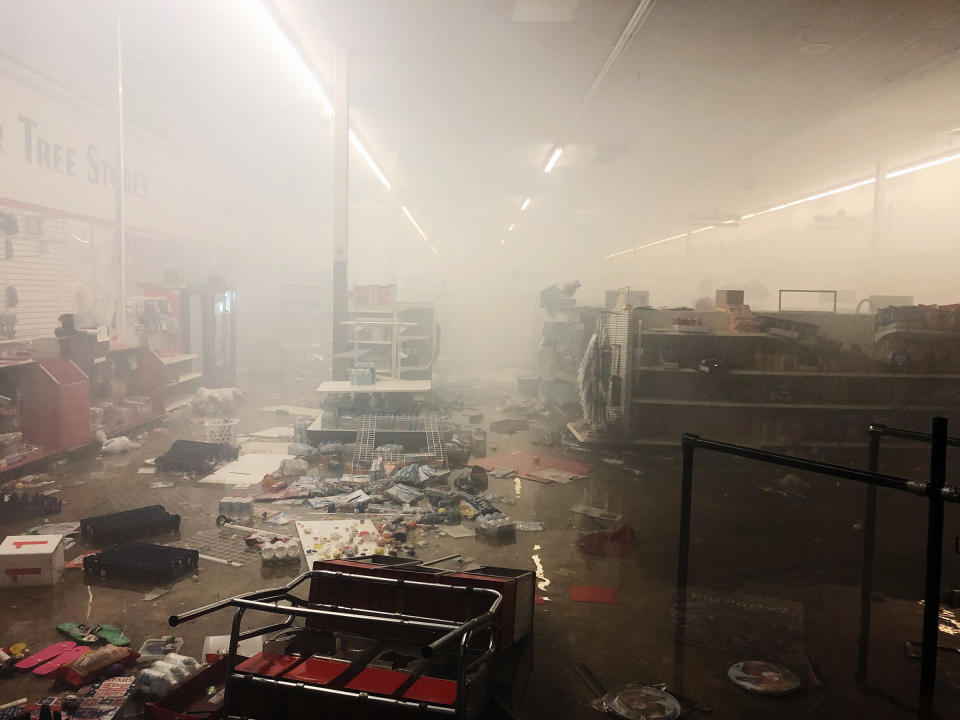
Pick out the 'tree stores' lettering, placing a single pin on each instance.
(58, 158)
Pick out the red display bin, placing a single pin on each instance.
(53, 397)
(62, 410)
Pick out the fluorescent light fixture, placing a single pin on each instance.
(79, 239)
(503, 241)
(526, 204)
(368, 158)
(510, 229)
(265, 19)
(922, 166)
(557, 152)
(433, 249)
(414, 223)
(899, 172)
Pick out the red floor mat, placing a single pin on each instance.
(433, 690)
(318, 671)
(378, 681)
(594, 594)
(268, 664)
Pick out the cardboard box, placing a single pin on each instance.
(31, 560)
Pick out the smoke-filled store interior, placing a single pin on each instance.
(507, 359)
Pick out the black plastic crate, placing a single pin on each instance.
(129, 524)
(21, 504)
(141, 561)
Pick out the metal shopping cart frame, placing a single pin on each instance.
(435, 635)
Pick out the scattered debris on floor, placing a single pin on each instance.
(763, 678)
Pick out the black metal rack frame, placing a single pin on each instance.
(458, 634)
(936, 491)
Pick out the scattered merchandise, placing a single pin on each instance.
(102, 701)
(280, 550)
(64, 528)
(87, 635)
(596, 513)
(157, 648)
(87, 667)
(277, 433)
(158, 484)
(247, 470)
(555, 475)
(166, 674)
(612, 544)
(193, 456)
(331, 539)
(495, 523)
(763, 677)
(219, 402)
(64, 659)
(42, 656)
(472, 480)
(21, 504)
(293, 467)
(640, 702)
(118, 445)
(77, 562)
(529, 526)
(31, 560)
(155, 593)
(237, 507)
(530, 466)
(458, 531)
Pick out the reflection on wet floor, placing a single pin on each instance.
(543, 582)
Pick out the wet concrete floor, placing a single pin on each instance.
(745, 541)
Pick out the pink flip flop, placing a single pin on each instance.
(42, 656)
(65, 658)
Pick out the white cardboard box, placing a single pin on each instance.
(31, 560)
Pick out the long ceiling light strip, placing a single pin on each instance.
(899, 172)
(417, 227)
(368, 158)
(297, 57)
(557, 152)
(640, 13)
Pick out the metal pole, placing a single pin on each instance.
(869, 535)
(683, 559)
(341, 209)
(931, 608)
(120, 202)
